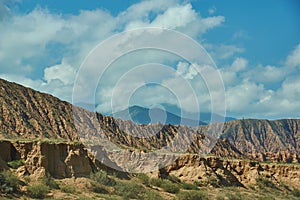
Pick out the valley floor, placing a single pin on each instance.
(137, 186)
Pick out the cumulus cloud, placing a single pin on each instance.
(267, 74)
(44, 51)
(186, 70)
(230, 73)
(178, 17)
(239, 64)
(241, 96)
(263, 91)
(293, 60)
(63, 72)
(222, 51)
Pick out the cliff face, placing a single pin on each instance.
(219, 172)
(60, 160)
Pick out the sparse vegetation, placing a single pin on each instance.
(144, 188)
(296, 192)
(49, 181)
(156, 182)
(188, 186)
(68, 189)
(173, 179)
(151, 195)
(170, 187)
(16, 163)
(9, 183)
(264, 183)
(102, 177)
(129, 190)
(38, 190)
(192, 195)
(99, 188)
(144, 179)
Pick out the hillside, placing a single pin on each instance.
(48, 143)
(29, 114)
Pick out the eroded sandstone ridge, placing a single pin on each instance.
(228, 172)
(60, 160)
(30, 121)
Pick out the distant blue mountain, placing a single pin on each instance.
(205, 117)
(141, 115)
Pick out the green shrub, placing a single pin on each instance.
(49, 181)
(263, 183)
(9, 183)
(192, 195)
(129, 190)
(99, 188)
(15, 164)
(170, 187)
(156, 182)
(68, 189)
(173, 179)
(188, 186)
(266, 198)
(38, 191)
(234, 196)
(144, 178)
(296, 193)
(151, 195)
(102, 177)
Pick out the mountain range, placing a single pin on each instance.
(141, 115)
(29, 114)
(170, 115)
(44, 137)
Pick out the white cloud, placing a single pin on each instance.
(244, 96)
(290, 90)
(63, 72)
(33, 43)
(267, 74)
(142, 10)
(212, 10)
(178, 17)
(222, 51)
(293, 60)
(230, 73)
(186, 70)
(24, 37)
(175, 17)
(239, 64)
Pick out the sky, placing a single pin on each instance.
(254, 46)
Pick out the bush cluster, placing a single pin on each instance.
(102, 178)
(9, 183)
(38, 190)
(192, 195)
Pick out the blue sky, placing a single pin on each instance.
(255, 45)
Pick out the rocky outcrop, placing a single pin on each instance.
(222, 172)
(60, 160)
